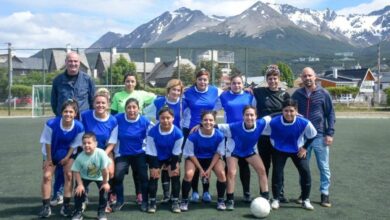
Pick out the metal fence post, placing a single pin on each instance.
(9, 77)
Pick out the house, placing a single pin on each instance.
(148, 67)
(385, 80)
(163, 71)
(362, 78)
(225, 59)
(57, 61)
(103, 61)
(23, 65)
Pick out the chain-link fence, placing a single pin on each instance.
(154, 66)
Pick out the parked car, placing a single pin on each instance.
(19, 101)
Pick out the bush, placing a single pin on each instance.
(21, 90)
(336, 92)
(387, 91)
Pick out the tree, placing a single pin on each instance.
(186, 74)
(3, 83)
(118, 71)
(205, 64)
(336, 92)
(286, 74)
(387, 91)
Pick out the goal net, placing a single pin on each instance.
(41, 95)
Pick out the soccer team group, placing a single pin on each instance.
(94, 138)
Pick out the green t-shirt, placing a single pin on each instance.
(91, 166)
(120, 98)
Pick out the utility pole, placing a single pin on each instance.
(9, 77)
(379, 73)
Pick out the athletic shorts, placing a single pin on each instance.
(204, 162)
(244, 157)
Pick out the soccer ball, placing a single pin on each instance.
(260, 207)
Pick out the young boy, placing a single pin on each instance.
(91, 165)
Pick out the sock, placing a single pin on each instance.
(230, 196)
(185, 189)
(46, 201)
(195, 181)
(165, 182)
(175, 187)
(153, 188)
(221, 187)
(66, 200)
(265, 195)
(206, 187)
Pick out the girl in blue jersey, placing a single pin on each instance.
(60, 137)
(241, 142)
(203, 151)
(105, 127)
(173, 101)
(163, 148)
(233, 102)
(198, 98)
(132, 129)
(290, 135)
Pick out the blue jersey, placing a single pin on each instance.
(131, 135)
(196, 102)
(204, 146)
(105, 129)
(234, 104)
(61, 139)
(289, 137)
(151, 111)
(164, 145)
(242, 142)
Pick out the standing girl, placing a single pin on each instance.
(203, 151)
(173, 101)
(242, 143)
(103, 125)
(118, 106)
(269, 102)
(163, 148)
(132, 129)
(288, 133)
(60, 137)
(233, 102)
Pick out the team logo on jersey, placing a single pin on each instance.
(93, 171)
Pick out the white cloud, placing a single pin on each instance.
(235, 7)
(28, 30)
(364, 8)
(112, 8)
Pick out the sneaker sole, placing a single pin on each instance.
(45, 216)
(326, 205)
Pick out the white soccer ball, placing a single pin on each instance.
(260, 207)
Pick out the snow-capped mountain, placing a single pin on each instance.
(255, 22)
(358, 30)
(169, 26)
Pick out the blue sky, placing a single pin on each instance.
(55, 23)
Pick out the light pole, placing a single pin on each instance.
(9, 77)
(379, 73)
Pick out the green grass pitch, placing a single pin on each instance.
(360, 168)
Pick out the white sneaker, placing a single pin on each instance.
(307, 205)
(58, 200)
(275, 204)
